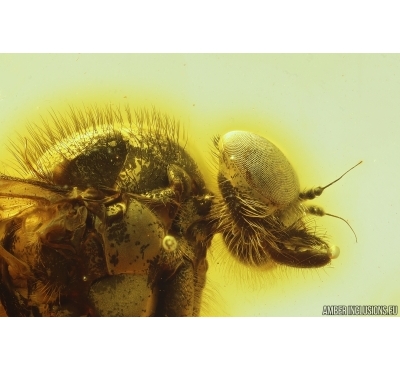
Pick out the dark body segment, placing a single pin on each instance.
(108, 237)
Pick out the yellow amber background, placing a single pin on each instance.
(325, 112)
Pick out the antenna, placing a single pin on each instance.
(315, 192)
(317, 211)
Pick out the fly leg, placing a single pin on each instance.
(177, 292)
(184, 266)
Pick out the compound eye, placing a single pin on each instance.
(254, 165)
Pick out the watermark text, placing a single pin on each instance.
(360, 310)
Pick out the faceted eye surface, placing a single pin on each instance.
(255, 165)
